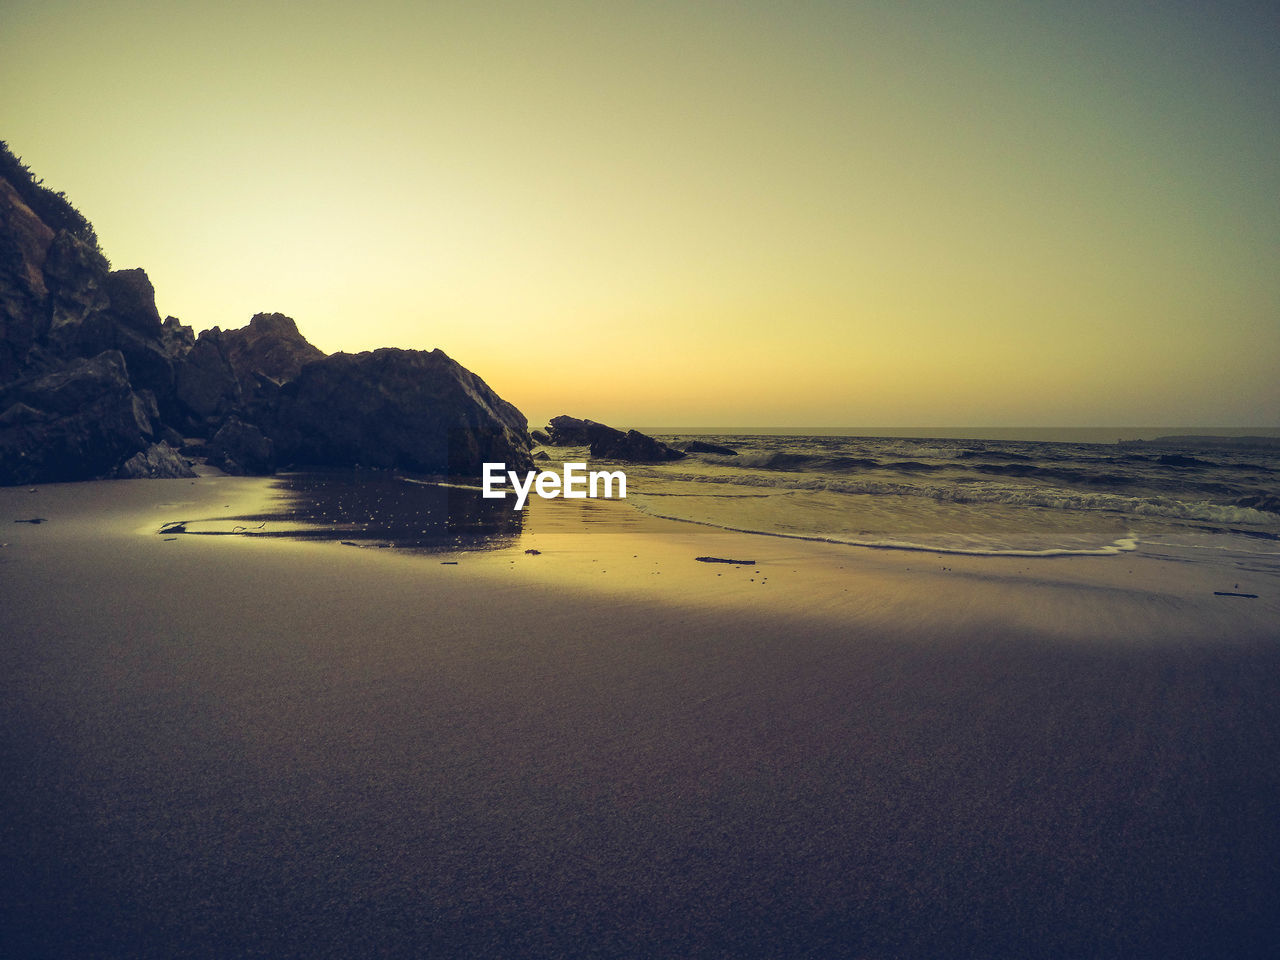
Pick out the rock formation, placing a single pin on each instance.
(93, 383)
(608, 442)
(408, 409)
(271, 346)
(82, 421)
(206, 388)
(24, 249)
(239, 448)
(635, 447)
(159, 461)
(567, 431)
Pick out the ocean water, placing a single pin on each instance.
(1189, 498)
(980, 496)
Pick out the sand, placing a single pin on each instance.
(226, 747)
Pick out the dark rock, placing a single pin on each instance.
(150, 367)
(608, 442)
(95, 310)
(75, 424)
(176, 338)
(239, 372)
(146, 411)
(700, 446)
(205, 384)
(158, 461)
(52, 207)
(133, 302)
(18, 413)
(540, 436)
(566, 431)
(91, 377)
(240, 448)
(24, 248)
(271, 346)
(261, 397)
(76, 276)
(406, 409)
(51, 276)
(633, 446)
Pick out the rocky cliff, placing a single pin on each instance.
(93, 383)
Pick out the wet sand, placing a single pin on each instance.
(217, 746)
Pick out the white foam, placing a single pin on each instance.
(951, 545)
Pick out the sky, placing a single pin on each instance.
(699, 213)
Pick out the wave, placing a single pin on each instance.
(1103, 478)
(1053, 498)
(991, 455)
(775, 460)
(914, 466)
(1055, 473)
(1185, 460)
(1112, 472)
(802, 462)
(1120, 545)
(1268, 502)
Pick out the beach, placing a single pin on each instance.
(224, 746)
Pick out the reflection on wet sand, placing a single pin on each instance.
(372, 508)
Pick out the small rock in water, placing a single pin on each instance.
(700, 446)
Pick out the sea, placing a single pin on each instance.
(1023, 493)
(1015, 493)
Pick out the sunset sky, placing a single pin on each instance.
(763, 213)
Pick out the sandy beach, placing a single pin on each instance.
(217, 746)
(639, 481)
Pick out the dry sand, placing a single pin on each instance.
(222, 747)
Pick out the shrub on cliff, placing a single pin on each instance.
(51, 206)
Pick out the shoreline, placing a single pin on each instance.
(232, 746)
(1152, 594)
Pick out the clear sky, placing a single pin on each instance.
(772, 213)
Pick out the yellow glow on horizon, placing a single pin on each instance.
(663, 214)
